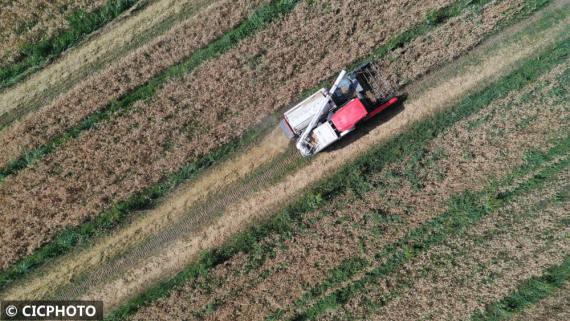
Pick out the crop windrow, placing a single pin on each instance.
(135, 77)
(353, 177)
(81, 24)
(515, 81)
(29, 143)
(528, 293)
(71, 237)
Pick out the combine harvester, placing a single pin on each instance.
(327, 116)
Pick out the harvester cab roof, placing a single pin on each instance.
(328, 115)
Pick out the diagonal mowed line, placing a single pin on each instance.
(256, 22)
(68, 239)
(30, 97)
(37, 55)
(420, 134)
(529, 292)
(464, 210)
(344, 181)
(222, 45)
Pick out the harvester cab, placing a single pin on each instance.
(328, 115)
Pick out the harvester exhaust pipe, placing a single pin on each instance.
(302, 142)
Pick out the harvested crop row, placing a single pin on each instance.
(192, 116)
(123, 76)
(457, 278)
(131, 31)
(29, 21)
(415, 194)
(239, 284)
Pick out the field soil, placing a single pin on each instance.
(123, 76)
(489, 65)
(101, 49)
(190, 117)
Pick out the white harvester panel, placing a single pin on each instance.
(323, 136)
(299, 116)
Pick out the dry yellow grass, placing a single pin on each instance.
(123, 76)
(29, 21)
(76, 63)
(260, 204)
(172, 209)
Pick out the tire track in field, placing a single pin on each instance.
(259, 203)
(486, 65)
(191, 223)
(65, 269)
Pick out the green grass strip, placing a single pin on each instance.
(118, 214)
(529, 292)
(422, 133)
(351, 177)
(257, 21)
(81, 24)
(463, 211)
(149, 89)
(72, 237)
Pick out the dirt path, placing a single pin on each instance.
(97, 51)
(486, 64)
(491, 64)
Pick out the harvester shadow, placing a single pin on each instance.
(365, 128)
